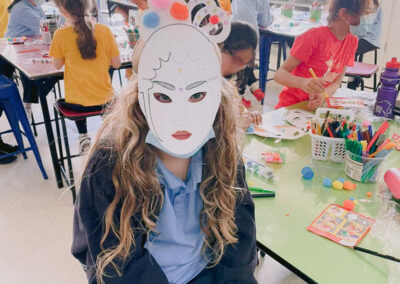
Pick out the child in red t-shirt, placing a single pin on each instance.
(327, 50)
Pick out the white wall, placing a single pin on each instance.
(391, 32)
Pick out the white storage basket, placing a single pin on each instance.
(321, 146)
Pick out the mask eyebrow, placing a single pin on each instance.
(194, 85)
(165, 85)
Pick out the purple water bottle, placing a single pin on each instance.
(387, 92)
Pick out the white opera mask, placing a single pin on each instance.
(179, 81)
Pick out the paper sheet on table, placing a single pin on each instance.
(275, 126)
(368, 98)
(341, 225)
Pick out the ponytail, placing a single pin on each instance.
(86, 41)
(83, 25)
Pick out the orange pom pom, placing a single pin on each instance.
(348, 204)
(179, 11)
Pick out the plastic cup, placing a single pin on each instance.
(363, 169)
(287, 12)
(315, 14)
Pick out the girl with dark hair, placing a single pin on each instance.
(256, 13)
(87, 50)
(328, 50)
(238, 51)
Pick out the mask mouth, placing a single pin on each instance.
(181, 135)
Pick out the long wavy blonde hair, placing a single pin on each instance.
(137, 188)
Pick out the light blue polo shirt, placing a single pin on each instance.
(257, 13)
(24, 20)
(370, 28)
(177, 246)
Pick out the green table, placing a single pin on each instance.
(282, 221)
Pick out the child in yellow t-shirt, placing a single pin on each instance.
(87, 50)
(3, 16)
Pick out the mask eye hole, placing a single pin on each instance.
(162, 98)
(195, 98)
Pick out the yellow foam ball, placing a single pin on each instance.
(337, 185)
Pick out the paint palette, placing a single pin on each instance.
(275, 125)
(299, 118)
(344, 227)
(288, 132)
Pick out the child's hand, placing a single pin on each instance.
(316, 101)
(250, 118)
(255, 117)
(312, 86)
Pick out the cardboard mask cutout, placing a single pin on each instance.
(179, 77)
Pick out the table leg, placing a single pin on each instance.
(44, 87)
(284, 49)
(265, 51)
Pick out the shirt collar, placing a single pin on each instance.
(30, 4)
(169, 180)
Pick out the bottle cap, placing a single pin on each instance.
(393, 63)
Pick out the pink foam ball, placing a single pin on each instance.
(161, 4)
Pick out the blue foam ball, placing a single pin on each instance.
(307, 173)
(342, 180)
(327, 182)
(351, 198)
(250, 129)
(151, 20)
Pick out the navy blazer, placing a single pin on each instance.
(97, 192)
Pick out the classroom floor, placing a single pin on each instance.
(36, 216)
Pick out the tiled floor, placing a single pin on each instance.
(36, 218)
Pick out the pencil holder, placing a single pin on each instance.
(287, 10)
(363, 169)
(46, 37)
(315, 12)
(48, 27)
(133, 37)
(329, 148)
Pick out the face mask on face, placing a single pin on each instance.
(367, 20)
(152, 139)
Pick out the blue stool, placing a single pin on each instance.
(10, 102)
